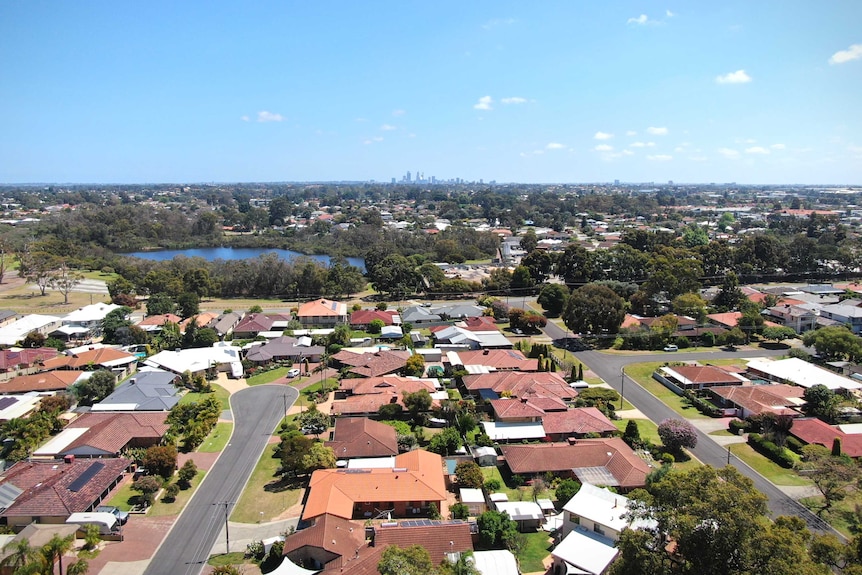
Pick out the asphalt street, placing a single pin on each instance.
(609, 367)
(186, 548)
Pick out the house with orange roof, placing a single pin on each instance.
(698, 376)
(322, 313)
(118, 361)
(201, 320)
(748, 400)
(356, 437)
(365, 396)
(407, 490)
(727, 320)
(154, 323)
(45, 381)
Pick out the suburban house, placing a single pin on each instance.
(356, 437)
(7, 316)
(592, 522)
(696, 377)
(798, 318)
(487, 360)
(16, 331)
(519, 384)
(365, 396)
(815, 431)
(155, 323)
(204, 360)
(99, 435)
(799, 372)
(845, 313)
(45, 381)
(251, 325)
(558, 421)
(84, 323)
(606, 461)
(203, 319)
(224, 324)
(361, 319)
(285, 348)
(374, 362)
(322, 313)
(15, 406)
(148, 390)
(728, 320)
(406, 490)
(748, 400)
(119, 362)
(418, 315)
(327, 545)
(50, 491)
(457, 337)
(459, 311)
(21, 361)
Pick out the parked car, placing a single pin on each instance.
(293, 372)
(671, 347)
(122, 516)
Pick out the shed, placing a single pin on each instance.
(474, 499)
(527, 514)
(485, 456)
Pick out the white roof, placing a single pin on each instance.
(501, 430)
(582, 549)
(599, 505)
(545, 504)
(88, 313)
(802, 373)
(194, 360)
(470, 495)
(481, 451)
(93, 517)
(495, 562)
(371, 463)
(497, 497)
(521, 510)
(60, 441)
(23, 405)
(453, 358)
(18, 330)
(851, 428)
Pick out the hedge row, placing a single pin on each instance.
(779, 455)
(701, 405)
(736, 426)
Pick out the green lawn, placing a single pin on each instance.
(122, 499)
(160, 508)
(330, 383)
(220, 393)
(647, 428)
(538, 547)
(217, 439)
(843, 515)
(642, 374)
(267, 376)
(514, 493)
(265, 496)
(771, 471)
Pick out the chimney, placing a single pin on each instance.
(69, 459)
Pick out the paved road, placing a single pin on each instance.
(609, 368)
(186, 548)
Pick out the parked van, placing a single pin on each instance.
(107, 522)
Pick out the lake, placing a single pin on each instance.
(211, 254)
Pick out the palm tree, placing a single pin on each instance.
(54, 550)
(79, 567)
(20, 554)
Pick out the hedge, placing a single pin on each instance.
(701, 405)
(736, 426)
(795, 444)
(779, 455)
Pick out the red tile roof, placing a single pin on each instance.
(705, 374)
(628, 469)
(46, 486)
(520, 384)
(322, 308)
(366, 316)
(577, 422)
(759, 399)
(439, 538)
(45, 381)
(160, 319)
(336, 535)
(99, 356)
(363, 437)
(373, 364)
(506, 409)
(729, 319)
(111, 432)
(10, 360)
(815, 431)
(254, 323)
(481, 323)
(501, 359)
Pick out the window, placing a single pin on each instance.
(575, 519)
(598, 529)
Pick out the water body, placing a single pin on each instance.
(228, 253)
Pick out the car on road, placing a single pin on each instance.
(122, 516)
(671, 347)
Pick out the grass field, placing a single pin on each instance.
(265, 496)
(538, 547)
(772, 471)
(267, 376)
(160, 508)
(642, 374)
(217, 439)
(647, 428)
(221, 394)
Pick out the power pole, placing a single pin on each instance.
(622, 387)
(227, 505)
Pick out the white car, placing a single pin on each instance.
(671, 347)
(293, 372)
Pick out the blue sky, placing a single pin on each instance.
(577, 91)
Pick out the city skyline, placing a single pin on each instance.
(561, 93)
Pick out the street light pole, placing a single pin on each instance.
(622, 387)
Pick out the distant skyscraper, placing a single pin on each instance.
(616, 182)
(408, 176)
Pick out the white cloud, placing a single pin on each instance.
(398, 112)
(513, 100)
(728, 153)
(854, 52)
(777, 146)
(361, 120)
(555, 146)
(640, 20)
(756, 150)
(669, 14)
(244, 118)
(631, 133)
(484, 103)
(264, 116)
(603, 136)
(603, 148)
(738, 77)
(373, 140)
(628, 153)
(657, 131)
(388, 127)
(659, 158)
(642, 144)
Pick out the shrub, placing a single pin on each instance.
(794, 444)
(779, 455)
(255, 550)
(517, 480)
(676, 434)
(469, 474)
(682, 342)
(492, 484)
(459, 511)
(736, 426)
(171, 492)
(667, 459)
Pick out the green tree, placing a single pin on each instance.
(540, 263)
(522, 278)
(413, 560)
(469, 474)
(446, 442)
(552, 298)
(566, 489)
(20, 554)
(187, 473)
(37, 267)
(594, 309)
(113, 321)
(54, 549)
(313, 421)
(529, 241)
(822, 402)
(833, 476)
(375, 326)
(147, 486)
(834, 343)
(293, 448)
(415, 366)
(95, 388)
(690, 305)
(161, 460)
(160, 304)
(64, 280)
(778, 333)
(79, 567)
(417, 402)
(730, 296)
(494, 528)
(188, 304)
(632, 434)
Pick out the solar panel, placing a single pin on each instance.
(6, 402)
(8, 494)
(86, 476)
(596, 476)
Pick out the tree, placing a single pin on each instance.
(413, 560)
(778, 333)
(832, 475)
(464, 565)
(632, 434)
(20, 554)
(33, 339)
(522, 278)
(566, 489)
(417, 402)
(113, 321)
(822, 402)
(415, 366)
(552, 298)
(834, 342)
(395, 275)
(318, 457)
(676, 434)
(469, 474)
(95, 388)
(446, 442)
(313, 421)
(494, 527)
(690, 305)
(188, 304)
(529, 241)
(375, 326)
(730, 296)
(161, 460)
(293, 448)
(540, 263)
(594, 309)
(160, 304)
(147, 486)
(187, 473)
(54, 549)
(37, 267)
(65, 280)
